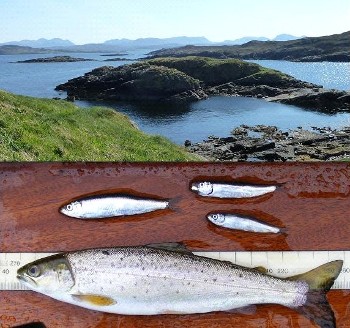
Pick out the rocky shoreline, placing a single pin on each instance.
(268, 143)
(307, 96)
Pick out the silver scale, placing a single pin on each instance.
(279, 263)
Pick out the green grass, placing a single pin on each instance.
(33, 129)
(213, 71)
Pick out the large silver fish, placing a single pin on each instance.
(150, 280)
(106, 206)
(241, 222)
(226, 190)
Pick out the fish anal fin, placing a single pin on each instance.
(172, 312)
(322, 277)
(172, 246)
(246, 310)
(261, 269)
(97, 300)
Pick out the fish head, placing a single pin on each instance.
(202, 188)
(216, 218)
(47, 275)
(73, 209)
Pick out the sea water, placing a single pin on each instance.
(196, 121)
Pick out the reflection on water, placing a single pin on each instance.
(218, 116)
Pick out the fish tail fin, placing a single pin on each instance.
(320, 280)
(173, 204)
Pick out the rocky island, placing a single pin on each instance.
(334, 48)
(118, 59)
(55, 59)
(193, 78)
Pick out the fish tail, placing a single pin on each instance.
(173, 204)
(320, 280)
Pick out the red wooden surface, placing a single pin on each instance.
(312, 203)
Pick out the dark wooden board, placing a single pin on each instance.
(312, 203)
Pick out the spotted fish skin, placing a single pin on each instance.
(106, 206)
(226, 190)
(145, 280)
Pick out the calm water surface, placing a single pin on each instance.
(215, 116)
(329, 75)
(219, 115)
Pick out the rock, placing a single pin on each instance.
(187, 143)
(137, 81)
(239, 131)
(322, 99)
(267, 143)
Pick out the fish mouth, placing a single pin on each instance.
(26, 280)
(194, 187)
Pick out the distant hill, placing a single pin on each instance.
(117, 45)
(151, 42)
(326, 48)
(143, 43)
(286, 37)
(243, 40)
(41, 43)
(18, 50)
(280, 37)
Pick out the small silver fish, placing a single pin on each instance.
(153, 279)
(225, 190)
(106, 206)
(240, 222)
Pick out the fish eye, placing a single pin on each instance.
(215, 217)
(72, 206)
(34, 271)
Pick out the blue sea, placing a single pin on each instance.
(214, 116)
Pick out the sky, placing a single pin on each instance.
(95, 21)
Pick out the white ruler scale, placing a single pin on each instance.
(278, 263)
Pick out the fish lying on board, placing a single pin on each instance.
(106, 206)
(157, 279)
(241, 222)
(226, 190)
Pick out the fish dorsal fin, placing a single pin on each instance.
(261, 269)
(321, 277)
(97, 300)
(174, 247)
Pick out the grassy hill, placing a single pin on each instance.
(212, 71)
(34, 129)
(326, 48)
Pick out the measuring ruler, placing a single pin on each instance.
(280, 264)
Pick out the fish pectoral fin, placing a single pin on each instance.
(261, 269)
(97, 300)
(172, 246)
